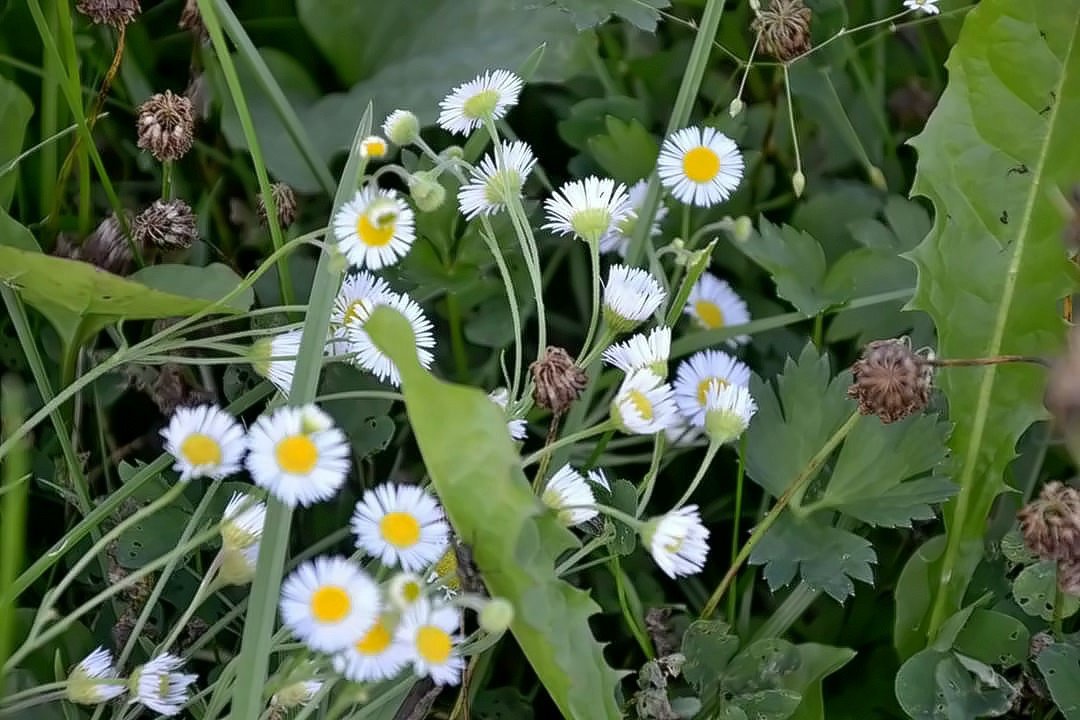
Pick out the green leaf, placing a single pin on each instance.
(212, 282)
(591, 13)
(990, 274)
(627, 151)
(516, 541)
(708, 646)
(914, 593)
(916, 686)
(1060, 666)
(994, 638)
(815, 663)
(624, 497)
(1035, 588)
(14, 234)
(796, 262)
(15, 112)
(973, 689)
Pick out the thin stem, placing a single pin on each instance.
(794, 605)
(997, 360)
(791, 123)
(649, 483)
(568, 564)
(736, 521)
(710, 453)
(594, 316)
(797, 485)
(568, 440)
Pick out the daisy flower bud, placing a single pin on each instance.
(284, 201)
(631, 296)
(798, 183)
(274, 358)
(375, 655)
(206, 442)
(617, 238)
(159, 686)
(402, 128)
(735, 108)
(94, 680)
(642, 352)
(742, 229)
(728, 409)
(426, 191)
(373, 147)
(697, 374)
(700, 166)
(587, 208)
(297, 694)
(877, 178)
(569, 495)
(328, 602)
(714, 305)
(166, 126)
(400, 525)
(890, 380)
(166, 225)
(678, 541)
(644, 404)
(497, 181)
(243, 521)
(486, 97)
(375, 229)
(496, 615)
(431, 631)
(238, 564)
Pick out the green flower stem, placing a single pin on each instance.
(649, 484)
(623, 587)
(680, 115)
(706, 461)
(166, 180)
(16, 709)
(794, 605)
(568, 564)
(567, 440)
(360, 395)
(602, 343)
(488, 234)
(698, 263)
(797, 486)
(6, 705)
(594, 316)
(740, 477)
(791, 123)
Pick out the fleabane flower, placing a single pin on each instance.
(206, 442)
(329, 602)
(431, 631)
(714, 305)
(485, 97)
(515, 426)
(367, 355)
(94, 679)
(159, 686)
(242, 521)
(644, 404)
(400, 525)
(678, 541)
(404, 590)
(360, 292)
(375, 229)
(587, 208)
(274, 358)
(373, 147)
(927, 6)
(631, 295)
(374, 655)
(296, 695)
(642, 351)
(497, 180)
(697, 373)
(237, 566)
(569, 495)
(401, 127)
(297, 455)
(700, 166)
(617, 239)
(728, 410)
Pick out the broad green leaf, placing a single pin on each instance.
(1035, 588)
(15, 112)
(916, 686)
(994, 638)
(816, 662)
(991, 271)
(796, 262)
(627, 151)
(14, 234)
(973, 689)
(708, 646)
(589, 118)
(914, 593)
(212, 282)
(1060, 667)
(591, 13)
(516, 541)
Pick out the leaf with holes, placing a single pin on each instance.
(1035, 588)
(1060, 666)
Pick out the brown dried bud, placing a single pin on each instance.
(166, 226)
(558, 380)
(890, 380)
(1068, 575)
(284, 201)
(166, 126)
(109, 12)
(191, 20)
(658, 625)
(784, 28)
(194, 630)
(1050, 523)
(64, 248)
(107, 247)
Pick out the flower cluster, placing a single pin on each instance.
(158, 684)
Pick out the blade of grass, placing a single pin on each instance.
(16, 479)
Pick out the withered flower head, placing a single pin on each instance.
(284, 201)
(1069, 576)
(784, 27)
(1050, 523)
(166, 225)
(890, 380)
(559, 381)
(191, 20)
(109, 12)
(166, 125)
(107, 247)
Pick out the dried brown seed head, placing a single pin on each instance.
(558, 380)
(191, 20)
(890, 380)
(166, 125)
(64, 248)
(784, 28)
(107, 247)
(284, 201)
(109, 12)
(1050, 523)
(166, 226)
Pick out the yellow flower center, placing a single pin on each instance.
(674, 546)
(705, 384)
(701, 164)
(330, 604)
(199, 449)
(400, 529)
(297, 454)
(709, 314)
(376, 227)
(356, 312)
(641, 403)
(433, 644)
(375, 640)
(410, 592)
(480, 105)
(375, 147)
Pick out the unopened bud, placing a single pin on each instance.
(402, 128)
(877, 178)
(426, 191)
(496, 616)
(798, 183)
(743, 229)
(735, 108)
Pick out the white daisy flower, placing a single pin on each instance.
(569, 495)
(678, 541)
(631, 295)
(496, 181)
(700, 166)
(237, 566)
(728, 409)
(367, 355)
(644, 404)
(328, 602)
(375, 229)
(697, 372)
(357, 297)
(617, 239)
(297, 455)
(642, 352)
(159, 687)
(274, 358)
(94, 679)
(402, 127)
(373, 147)
(297, 694)
(401, 525)
(485, 97)
(431, 632)
(927, 6)
(206, 442)
(376, 655)
(405, 589)
(714, 305)
(242, 521)
(587, 208)
(597, 477)
(517, 427)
